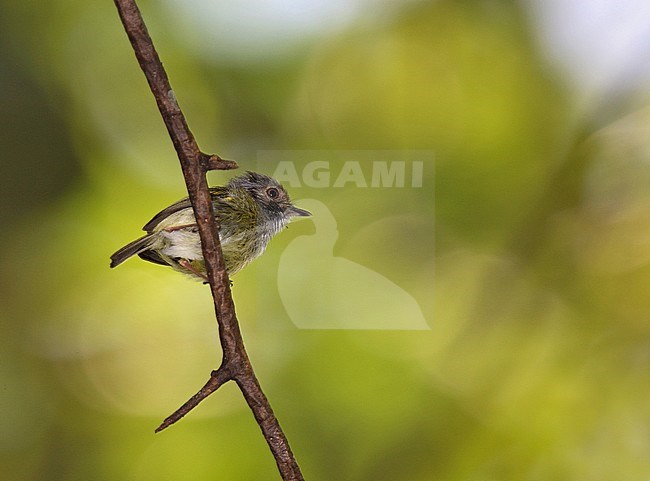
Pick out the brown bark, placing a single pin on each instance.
(195, 164)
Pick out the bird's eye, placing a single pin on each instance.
(272, 192)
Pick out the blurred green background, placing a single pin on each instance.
(536, 364)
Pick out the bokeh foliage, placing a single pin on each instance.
(536, 366)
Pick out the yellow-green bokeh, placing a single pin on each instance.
(536, 280)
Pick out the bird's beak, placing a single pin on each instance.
(294, 211)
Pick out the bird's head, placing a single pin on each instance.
(272, 198)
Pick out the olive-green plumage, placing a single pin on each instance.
(250, 209)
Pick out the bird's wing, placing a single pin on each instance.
(152, 256)
(217, 193)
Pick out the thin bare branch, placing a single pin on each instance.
(217, 379)
(235, 364)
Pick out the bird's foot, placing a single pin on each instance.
(185, 264)
(179, 227)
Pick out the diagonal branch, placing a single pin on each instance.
(235, 364)
(217, 379)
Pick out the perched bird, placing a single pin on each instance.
(250, 209)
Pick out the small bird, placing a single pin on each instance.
(250, 209)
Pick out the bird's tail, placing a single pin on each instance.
(135, 247)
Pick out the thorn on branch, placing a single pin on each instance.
(214, 162)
